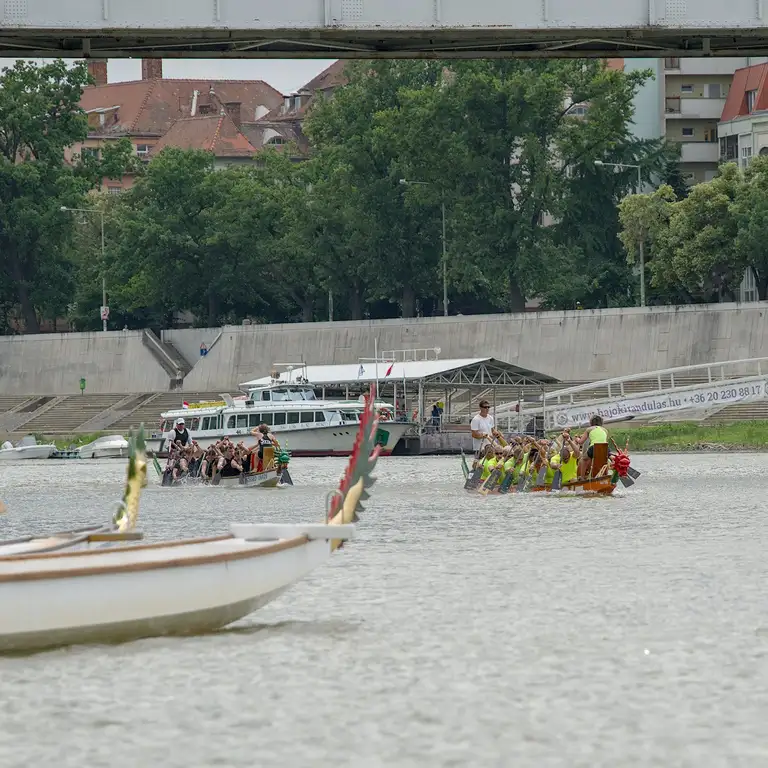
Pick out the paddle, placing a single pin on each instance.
(542, 476)
(464, 466)
(285, 478)
(490, 482)
(557, 480)
(507, 484)
(156, 465)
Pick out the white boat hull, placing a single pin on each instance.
(127, 593)
(337, 440)
(114, 447)
(27, 452)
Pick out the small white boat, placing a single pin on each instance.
(26, 448)
(82, 588)
(112, 447)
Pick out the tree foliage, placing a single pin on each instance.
(700, 247)
(507, 149)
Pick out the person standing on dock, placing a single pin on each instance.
(482, 427)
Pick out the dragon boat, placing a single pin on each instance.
(605, 472)
(273, 474)
(99, 585)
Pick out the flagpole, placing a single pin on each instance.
(376, 356)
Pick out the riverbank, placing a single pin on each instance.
(690, 437)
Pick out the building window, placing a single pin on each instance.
(748, 287)
(710, 135)
(114, 190)
(142, 150)
(90, 152)
(688, 133)
(751, 100)
(714, 91)
(686, 89)
(746, 156)
(276, 141)
(673, 62)
(578, 110)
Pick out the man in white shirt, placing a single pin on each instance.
(482, 426)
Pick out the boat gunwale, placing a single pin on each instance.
(213, 559)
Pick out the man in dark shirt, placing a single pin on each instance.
(180, 433)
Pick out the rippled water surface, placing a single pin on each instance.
(455, 631)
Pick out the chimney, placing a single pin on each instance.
(97, 69)
(151, 69)
(235, 111)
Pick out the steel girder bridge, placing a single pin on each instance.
(382, 28)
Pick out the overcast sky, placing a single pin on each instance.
(287, 75)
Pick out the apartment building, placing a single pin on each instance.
(684, 102)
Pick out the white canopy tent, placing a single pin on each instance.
(410, 379)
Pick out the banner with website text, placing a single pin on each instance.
(710, 396)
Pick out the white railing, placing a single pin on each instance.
(721, 385)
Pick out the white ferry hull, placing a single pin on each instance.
(336, 440)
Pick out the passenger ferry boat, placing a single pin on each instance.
(304, 424)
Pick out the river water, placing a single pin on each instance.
(454, 631)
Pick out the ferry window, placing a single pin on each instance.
(195, 425)
(349, 416)
(255, 420)
(266, 418)
(293, 418)
(266, 395)
(242, 421)
(280, 395)
(309, 394)
(231, 422)
(319, 416)
(307, 417)
(209, 422)
(279, 419)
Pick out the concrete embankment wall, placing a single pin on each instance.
(54, 363)
(572, 346)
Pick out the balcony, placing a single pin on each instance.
(699, 152)
(693, 109)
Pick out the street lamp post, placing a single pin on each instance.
(642, 244)
(445, 254)
(103, 260)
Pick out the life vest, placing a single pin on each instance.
(597, 435)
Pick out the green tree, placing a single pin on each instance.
(697, 251)
(513, 146)
(40, 117)
(750, 210)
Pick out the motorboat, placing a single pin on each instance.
(111, 590)
(26, 448)
(111, 447)
(289, 406)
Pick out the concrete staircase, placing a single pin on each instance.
(148, 413)
(65, 416)
(169, 358)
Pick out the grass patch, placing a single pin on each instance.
(689, 436)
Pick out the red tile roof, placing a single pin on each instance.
(331, 77)
(745, 80)
(150, 107)
(214, 133)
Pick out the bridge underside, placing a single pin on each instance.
(372, 44)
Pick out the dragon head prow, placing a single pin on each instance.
(344, 503)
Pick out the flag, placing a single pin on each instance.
(389, 370)
(360, 371)
(185, 404)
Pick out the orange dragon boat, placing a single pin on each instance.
(605, 472)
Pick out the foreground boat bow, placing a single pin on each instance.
(54, 598)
